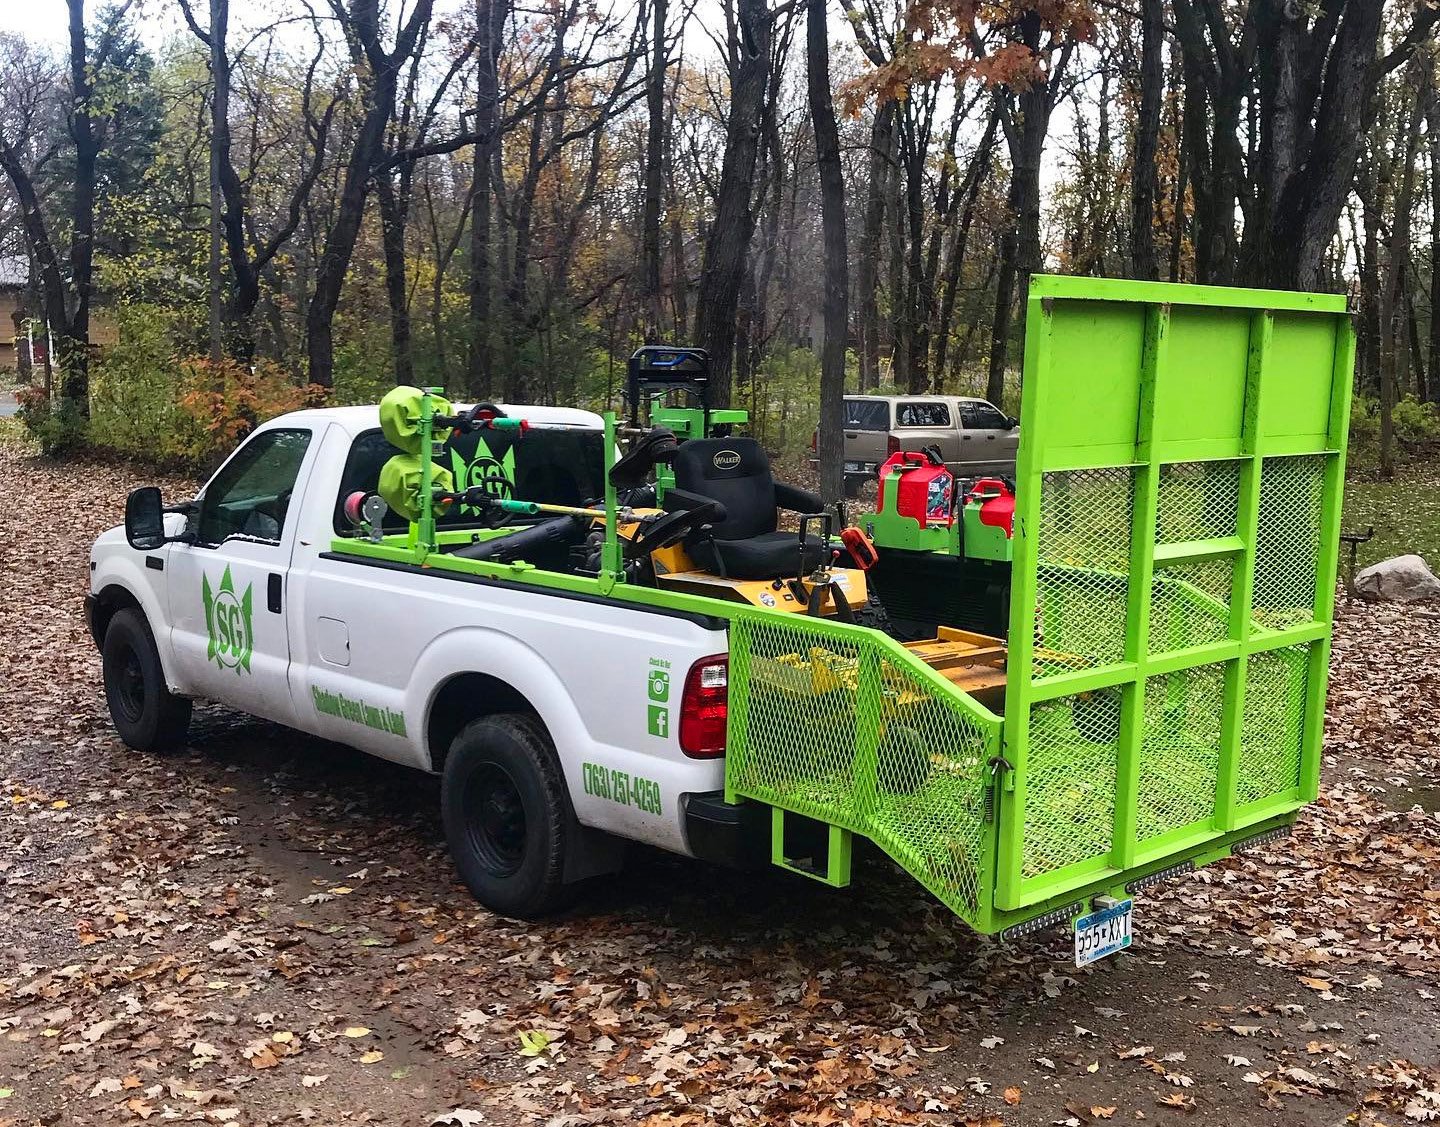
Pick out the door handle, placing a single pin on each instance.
(966, 437)
(989, 438)
(272, 593)
(852, 434)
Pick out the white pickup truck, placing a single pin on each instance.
(560, 724)
(591, 650)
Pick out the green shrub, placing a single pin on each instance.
(56, 424)
(1416, 428)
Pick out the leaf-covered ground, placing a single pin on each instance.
(265, 929)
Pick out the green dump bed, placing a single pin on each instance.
(1179, 486)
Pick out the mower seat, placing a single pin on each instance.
(745, 544)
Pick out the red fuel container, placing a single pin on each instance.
(924, 491)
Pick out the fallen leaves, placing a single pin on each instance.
(268, 885)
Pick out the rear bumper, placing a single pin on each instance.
(736, 836)
(866, 472)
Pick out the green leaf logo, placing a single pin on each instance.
(229, 623)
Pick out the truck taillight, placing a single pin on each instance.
(704, 707)
(815, 441)
(892, 444)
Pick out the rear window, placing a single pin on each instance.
(922, 414)
(558, 467)
(867, 414)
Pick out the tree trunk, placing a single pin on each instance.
(727, 242)
(1432, 119)
(1395, 340)
(1147, 128)
(654, 173)
(832, 216)
(392, 241)
(219, 144)
(490, 16)
(881, 130)
(975, 177)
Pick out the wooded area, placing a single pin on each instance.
(505, 199)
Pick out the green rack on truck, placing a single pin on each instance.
(1179, 486)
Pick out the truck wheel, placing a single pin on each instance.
(507, 815)
(854, 486)
(146, 714)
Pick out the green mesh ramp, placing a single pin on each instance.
(1175, 550)
(843, 725)
(1179, 493)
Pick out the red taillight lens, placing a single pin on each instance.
(815, 440)
(892, 444)
(704, 707)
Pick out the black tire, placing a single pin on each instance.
(507, 816)
(873, 615)
(146, 714)
(854, 486)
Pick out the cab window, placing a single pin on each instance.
(922, 415)
(982, 416)
(867, 414)
(251, 495)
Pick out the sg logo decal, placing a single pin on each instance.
(229, 623)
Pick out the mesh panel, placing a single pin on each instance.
(1274, 722)
(1083, 565)
(1070, 787)
(1180, 752)
(852, 733)
(1287, 541)
(1196, 501)
(1190, 604)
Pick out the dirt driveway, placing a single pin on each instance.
(265, 929)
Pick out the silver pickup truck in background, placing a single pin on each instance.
(974, 436)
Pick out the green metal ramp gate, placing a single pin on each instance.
(1179, 488)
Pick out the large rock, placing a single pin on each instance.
(1404, 579)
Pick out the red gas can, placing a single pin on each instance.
(924, 491)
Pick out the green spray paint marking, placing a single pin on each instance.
(229, 623)
(358, 712)
(621, 787)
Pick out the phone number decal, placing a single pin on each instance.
(621, 787)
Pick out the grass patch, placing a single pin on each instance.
(1405, 513)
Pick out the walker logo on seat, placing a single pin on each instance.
(726, 459)
(229, 623)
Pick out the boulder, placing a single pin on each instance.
(1404, 579)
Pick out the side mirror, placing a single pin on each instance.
(145, 520)
(1011, 421)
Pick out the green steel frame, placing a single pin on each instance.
(1175, 550)
(1174, 381)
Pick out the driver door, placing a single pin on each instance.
(227, 590)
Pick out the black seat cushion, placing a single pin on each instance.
(735, 472)
(771, 555)
(745, 544)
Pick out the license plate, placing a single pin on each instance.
(1102, 933)
(854, 467)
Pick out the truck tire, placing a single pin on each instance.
(146, 714)
(507, 815)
